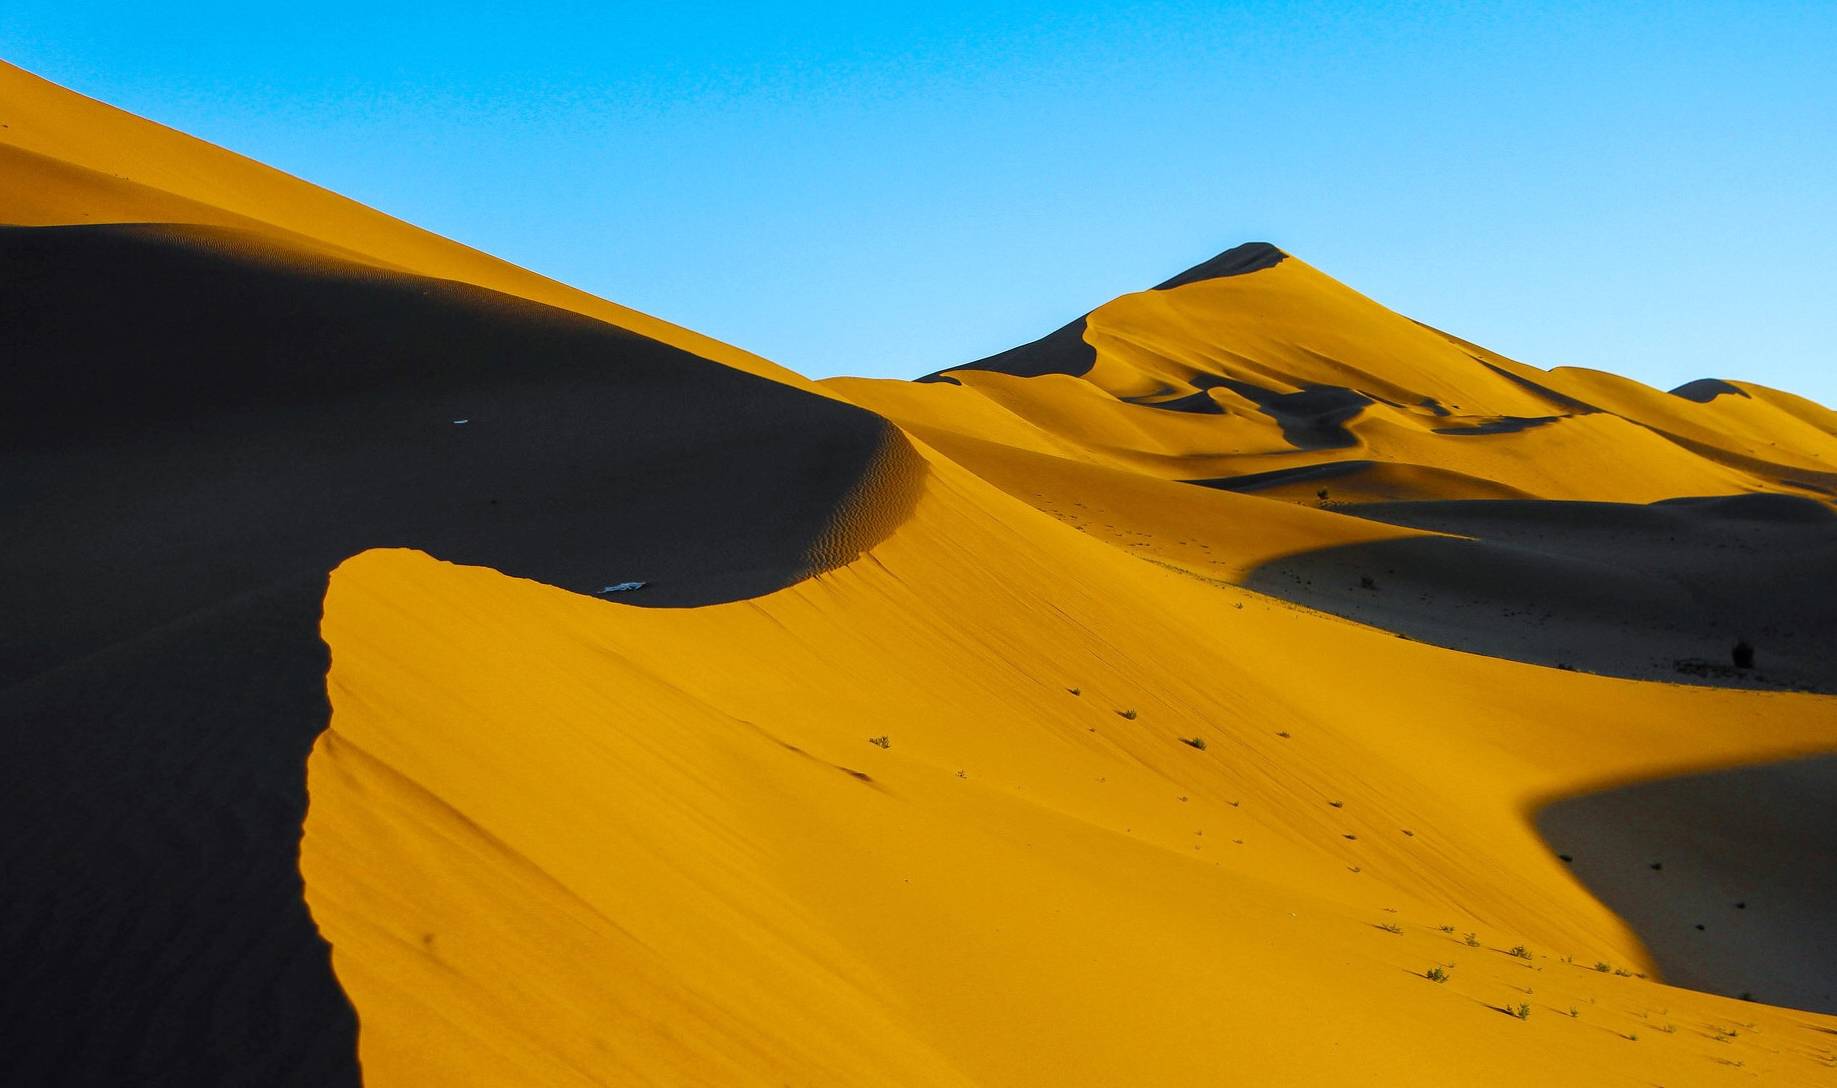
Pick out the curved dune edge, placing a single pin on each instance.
(1281, 369)
(555, 840)
(69, 159)
(202, 423)
(1727, 873)
(1653, 592)
(873, 509)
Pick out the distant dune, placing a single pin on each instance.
(425, 673)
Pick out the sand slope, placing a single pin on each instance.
(1728, 875)
(67, 159)
(1256, 375)
(978, 750)
(202, 424)
(1659, 592)
(1024, 886)
(1273, 367)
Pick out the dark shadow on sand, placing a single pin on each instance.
(1749, 854)
(1658, 592)
(198, 428)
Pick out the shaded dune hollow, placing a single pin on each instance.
(1664, 591)
(205, 424)
(1728, 876)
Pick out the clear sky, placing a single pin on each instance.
(890, 188)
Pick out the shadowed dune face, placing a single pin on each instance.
(1728, 876)
(1066, 351)
(1314, 418)
(1237, 261)
(1704, 390)
(199, 427)
(995, 804)
(1062, 351)
(1660, 592)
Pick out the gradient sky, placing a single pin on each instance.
(1645, 189)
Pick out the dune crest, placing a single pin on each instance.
(988, 889)
(435, 674)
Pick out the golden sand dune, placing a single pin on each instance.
(667, 718)
(1272, 367)
(1255, 374)
(1037, 880)
(66, 159)
(202, 424)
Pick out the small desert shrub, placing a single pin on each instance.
(1472, 939)
(1622, 972)
(1337, 804)
(1390, 927)
(1574, 1012)
(881, 742)
(1365, 582)
(1127, 714)
(1075, 691)
(1602, 967)
(1321, 494)
(1283, 734)
(1435, 974)
(1669, 1029)
(1446, 929)
(1194, 742)
(1521, 952)
(1522, 1012)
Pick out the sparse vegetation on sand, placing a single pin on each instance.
(309, 498)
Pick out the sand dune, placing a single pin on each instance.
(1276, 368)
(1728, 876)
(431, 674)
(1659, 592)
(1023, 886)
(203, 424)
(68, 159)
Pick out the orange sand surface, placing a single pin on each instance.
(1039, 777)
(724, 881)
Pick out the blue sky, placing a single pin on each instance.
(1645, 189)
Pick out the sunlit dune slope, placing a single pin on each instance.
(1257, 376)
(1257, 363)
(426, 673)
(1036, 879)
(200, 424)
(67, 159)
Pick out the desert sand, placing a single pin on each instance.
(424, 673)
